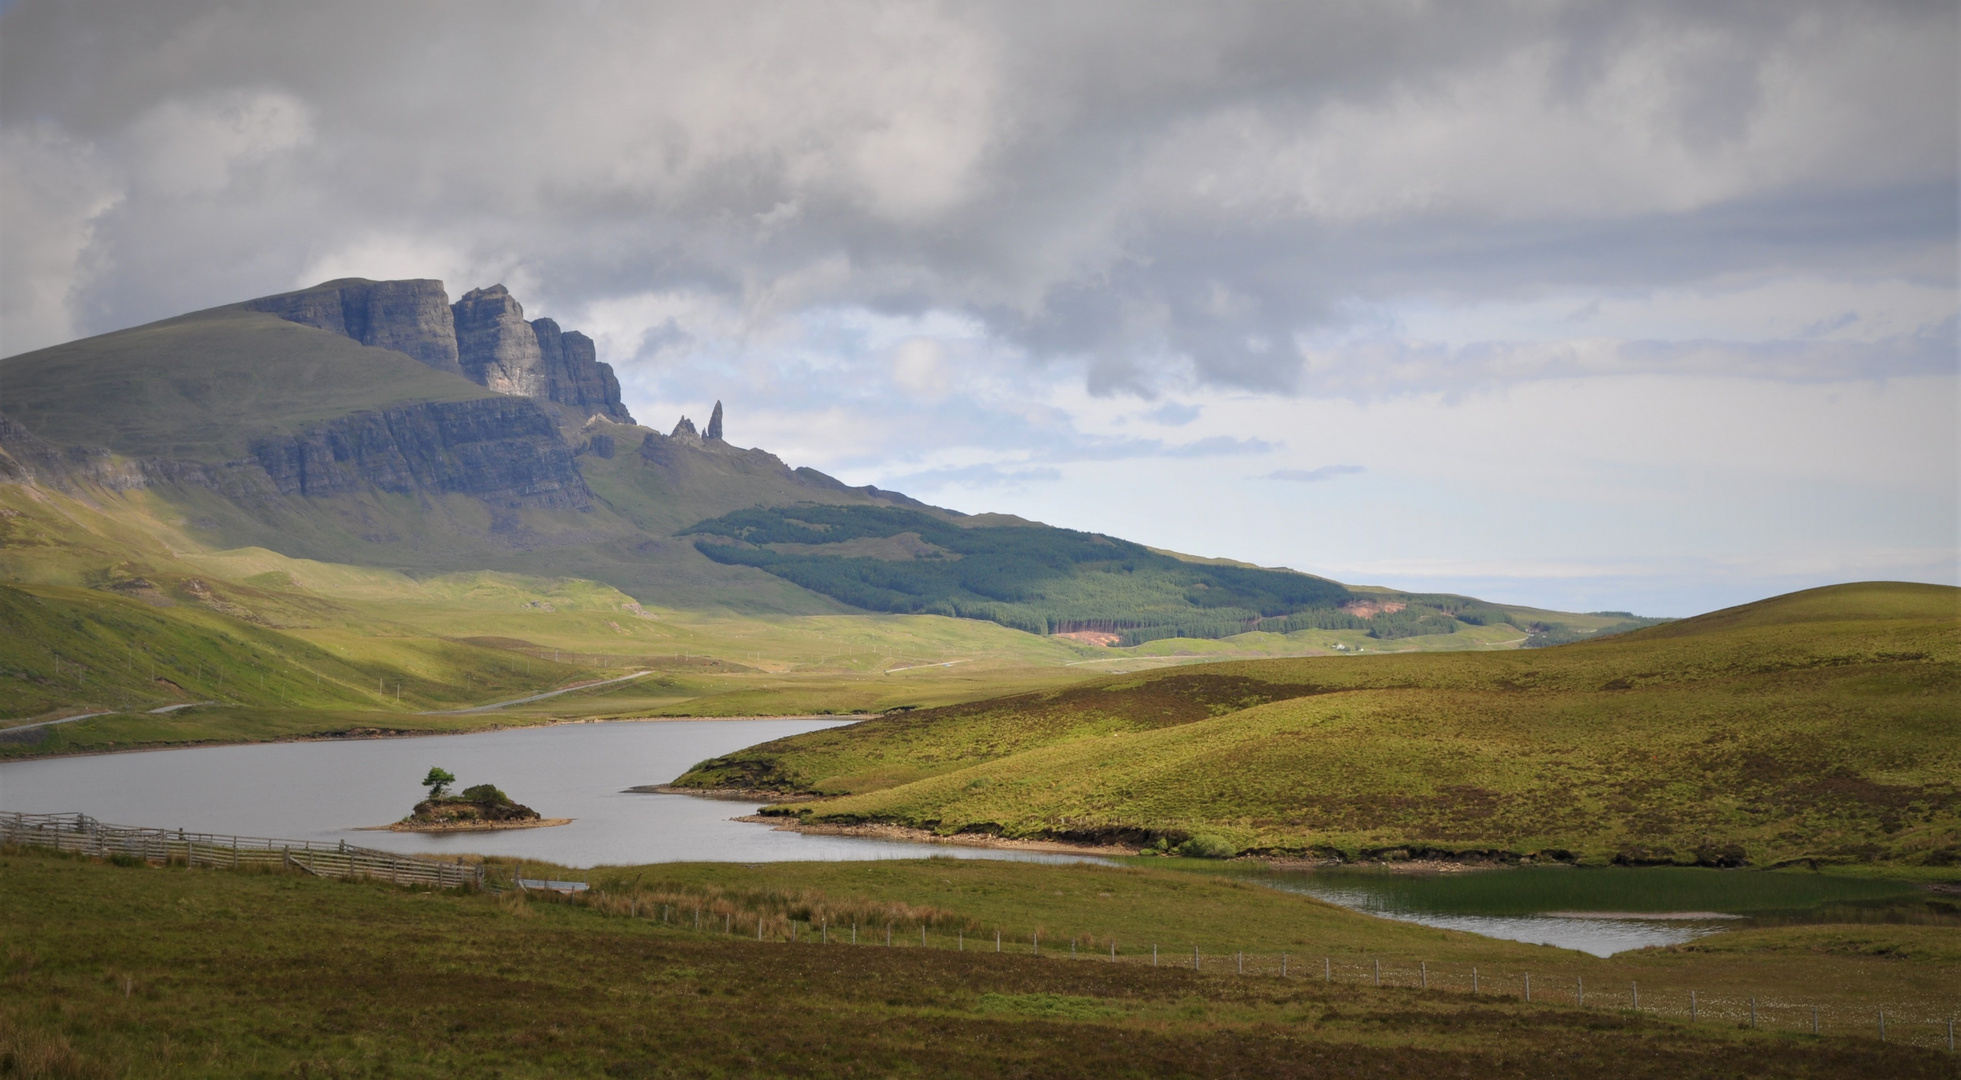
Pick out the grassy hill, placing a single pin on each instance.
(1817, 727)
(1046, 580)
(113, 607)
(200, 387)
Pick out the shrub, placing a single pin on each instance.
(485, 795)
(1207, 846)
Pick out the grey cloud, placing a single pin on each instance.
(1142, 192)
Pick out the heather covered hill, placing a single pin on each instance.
(1813, 728)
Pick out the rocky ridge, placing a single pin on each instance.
(484, 337)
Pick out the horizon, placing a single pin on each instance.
(1584, 310)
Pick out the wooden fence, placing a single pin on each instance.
(85, 835)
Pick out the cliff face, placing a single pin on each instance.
(410, 317)
(497, 348)
(573, 374)
(483, 337)
(500, 450)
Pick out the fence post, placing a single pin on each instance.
(759, 928)
(826, 932)
(1634, 992)
(1035, 941)
(1113, 957)
(1882, 1025)
(1528, 988)
(1814, 1025)
(1691, 1006)
(1753, 1014)
(1423, 970)
(1378, 973)
(960, 940)
(1474, 980)
(1241, 958)
(1283, 965)
(1580, 991)
(1154, 955)
(1327, 970)
(997, 940)
(1194, 958)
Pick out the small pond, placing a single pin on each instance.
(331, 790)
(1608, 910)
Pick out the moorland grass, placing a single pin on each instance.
(140, 971)
(1820, 731)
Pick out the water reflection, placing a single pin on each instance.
(331, 790)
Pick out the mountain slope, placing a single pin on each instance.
(378, 424)
(201, 387)
(1818, 726)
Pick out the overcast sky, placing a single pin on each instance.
(1624, 306)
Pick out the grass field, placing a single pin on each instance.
(140, 971)
(120, 608)
(1816, 728)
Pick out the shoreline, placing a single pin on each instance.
(926, 837)
(475, 826)
(406, 733)
(747, 795)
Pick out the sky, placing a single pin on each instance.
(1591, 306)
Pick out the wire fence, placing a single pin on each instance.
(85, 835)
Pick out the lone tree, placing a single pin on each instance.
(438, 781)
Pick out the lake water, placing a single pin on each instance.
(331, 790)
(1609, 910)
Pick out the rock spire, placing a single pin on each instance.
(714, 423)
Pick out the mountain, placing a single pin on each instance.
(378, 423)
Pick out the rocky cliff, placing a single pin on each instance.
(484, 337)
(410, 317)
(496, 347)
(573, 374)
(502, 351)
(500, 450)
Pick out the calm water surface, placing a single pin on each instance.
(1606, 911)
(332, 790)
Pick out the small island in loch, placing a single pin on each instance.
(480, 808)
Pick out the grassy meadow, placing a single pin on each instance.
(143, 971)
(1818, 728)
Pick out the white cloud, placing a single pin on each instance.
(53, 190)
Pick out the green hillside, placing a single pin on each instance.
(1816, 727)
(1047, 580)
(200, 387)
